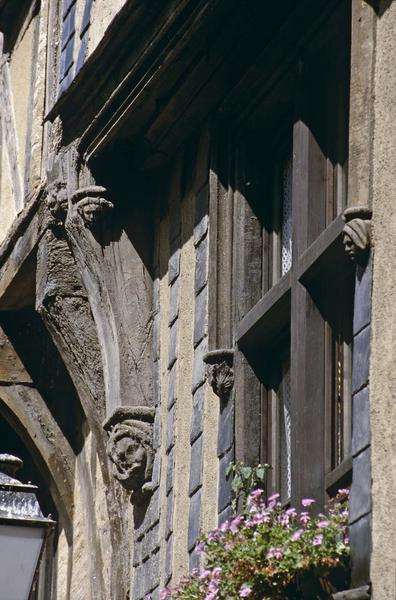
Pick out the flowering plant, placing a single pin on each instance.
(272, 552)
(244, 479)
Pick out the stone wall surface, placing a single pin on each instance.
(188, 485)
(382, 369)
(22, 92)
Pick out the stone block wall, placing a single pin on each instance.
(360, 506)
(184, 502)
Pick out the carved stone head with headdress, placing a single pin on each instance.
(129, 446)
(357, 232)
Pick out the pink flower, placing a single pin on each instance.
(317, 540)
(273, 497)
(224, 527)
(213, 536)
(323, 524)
(249, 523)
(164, 593)
(199, 548)
(228, 546)
(245, 591)
(285, 520)
(275, 553)
(291, 512)
(296, 535)
(213, 587)
(204, 574)
(259, 519)
(305, 518)
(256, 494)
(216, 571)
(234, 525)
(307, 501)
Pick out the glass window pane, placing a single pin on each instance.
(286, 232)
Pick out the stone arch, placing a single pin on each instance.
(28, 415)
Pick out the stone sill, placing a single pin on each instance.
(361, 593)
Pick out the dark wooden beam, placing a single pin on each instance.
(267, 318)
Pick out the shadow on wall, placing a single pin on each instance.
(380, 6)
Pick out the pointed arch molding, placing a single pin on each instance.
(27, 413)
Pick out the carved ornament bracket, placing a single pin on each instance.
(92, 204)
(357, 233)
(57, 204)
(130, 449)
(220, 373)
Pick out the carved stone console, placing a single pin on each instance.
(57, 204)
(130, 448)
(357, 232)
(220, 372)
(92, 203)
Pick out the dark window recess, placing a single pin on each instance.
(281, 417)
(286, 195)
(292, 160)
(269, 191)
(325, 84)
(341, 399)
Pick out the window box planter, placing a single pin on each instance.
(273, 553)
(319, 584)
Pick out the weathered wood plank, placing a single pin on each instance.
(268, 316)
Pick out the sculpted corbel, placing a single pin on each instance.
(357, 232)
(130, 449)
(220, 373)
(92, 204)
(57, 203)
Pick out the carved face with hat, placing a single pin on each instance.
(129, 447)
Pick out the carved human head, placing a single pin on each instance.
(129, 449)
(92, 203)
(57, 202)
(356, 232)
(129, 446)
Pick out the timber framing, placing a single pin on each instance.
(204, 56)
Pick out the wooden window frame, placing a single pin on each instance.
(289, 305)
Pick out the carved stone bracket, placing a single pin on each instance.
(220, 372)
(130, 448)
(357, 232)
(57, 203)
(92, 204)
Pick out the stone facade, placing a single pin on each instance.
(128, 261)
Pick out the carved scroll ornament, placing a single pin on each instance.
(220, 372)
(130, 450)
(357, 232)
(92, 204)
